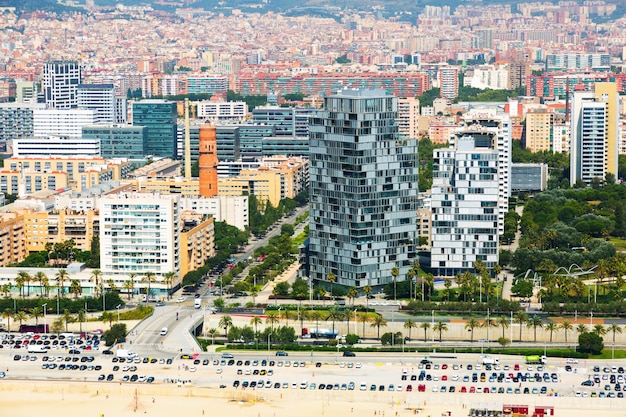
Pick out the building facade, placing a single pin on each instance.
(159, 118)
(60, 81)
(100, 98)
(118, 141)
(363, 191)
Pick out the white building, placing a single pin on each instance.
(222, 110)
(408, 116)
(52, 146)
(54, 122)
(140, 233)
(491, 76)
(465, 195)
(60, 79)
(100, 98)
(230, 209)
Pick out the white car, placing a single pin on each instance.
(455, 377)
(217, 371)
(572, 361)
(358, 365)
(193, 369)
(435, 388)
(181, 299)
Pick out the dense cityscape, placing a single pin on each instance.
(440, 169)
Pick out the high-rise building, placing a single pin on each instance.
(464, 202)
(449, 82)
(140, 233)
(408, 117)
(16, 120)
(538, 131)
(594, 133)
(159, 118)
(289, 121)
(60, 80)
(363, 191)
(100, 98)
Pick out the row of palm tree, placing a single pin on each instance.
(23, 280)
(36, 313)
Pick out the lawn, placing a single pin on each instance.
(620, 244)
(607, 354)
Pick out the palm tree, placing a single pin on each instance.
(471, 325)
(226, 322)
(581, 328)
(488, 323)
(334, 315)
(61, 276)
(27, 279)
(315, 315)
(363, 318)
(75, 288)
(284, 314)
(68, 318)
(271, 319)
(425, 325)
(440, 327)
(599, 330)
(332, 278)
(409, 325)
(6, 289)
(19, 283)
(551, 327)
(394, 273)
(534, 322)
(212, 332)
(81, 316)
(566, 326)
(20, 316)
(40, 277)
(322, 294)
(8, 314)
(255, 321)
(367, 290)
(410, 275)
(107, 317)
(503, 321)
(128, 286)
(614, 328)
(520, 318)
(35, 313)
(378, 322)
(96, 274)
(46, 285)
(148, 277)
(131, 277)
(352, 293)
(168, 280)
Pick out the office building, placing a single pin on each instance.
(568, 61)
(285, 145)
(25, 91)
(594, 134)
(159, 118)
(288, 121)
(464, 202)
(363, 191)
(100, 98)
(207, 84)
(221, 111)
(56, 146)
(118, 141)
(529, 177)
(140, 233)
(251, 139)
(60, 81)
(227, 142)
(61, 122)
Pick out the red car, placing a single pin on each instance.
(421, 388)
(472, 389)
(444, 366)
(463, 389)
(516, 367)
(409, 388)
(444, 377)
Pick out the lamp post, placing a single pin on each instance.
(433, 325)
(45, 318)
(118, 312)
(104, 297)
(355, 321)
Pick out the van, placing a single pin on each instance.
(163, 331)
(304, 384)
(197, 303)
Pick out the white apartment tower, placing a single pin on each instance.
(60, 80)
(100, 98)
(140, 233)
(464, 203)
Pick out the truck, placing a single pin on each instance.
(319, 333)
(536, 359)
(486, 360)
(125, 353)
(37, 349)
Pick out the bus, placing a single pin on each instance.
(34, 328)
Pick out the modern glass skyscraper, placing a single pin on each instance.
(363, 191)
(159, 118)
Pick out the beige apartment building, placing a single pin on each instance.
(57, 226)
(187, 187)
(197, 241)
(265, 185)
(12, 246)
(539, 125)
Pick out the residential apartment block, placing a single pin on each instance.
(12, 238)
(57, 226)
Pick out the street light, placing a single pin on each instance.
(118, 312)
(433, 325)
(45, 319)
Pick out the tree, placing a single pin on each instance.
(394, 273)
(614, 328)
(81, 317)
(390, 338)
(440, 327)
(367, 290)
(316, 316)
(520, 318)
(409, 325)
(425, 326)
(107, 317)
(503, 341)
(219, 304)
(551, 327)
(334, 315)
(281, 289)
(534, 322)
(19, 282)
(255, 321)
(503, 321)
(27, 278)
(68, 318)
(168, 280)
(6, 289)
(20, 316)
(41, 278)
(352, 339)
(149, 277)
(226, 322)
(75, 288)
(36, 313)
(96, 275)
(212, 332)
(61, 276)
(116, 333)
(8, 314)
(590, 343)
(378, 322)
(566, 326)
(522, 288)
(129, 287)
(332, 277)
(581, 328)
(470, 326)
(363, 318)
(599, 330)
(352, 293)
(272, 319)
